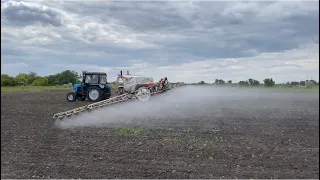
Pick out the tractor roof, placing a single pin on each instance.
(98, 73)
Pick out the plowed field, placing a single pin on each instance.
(231, 135)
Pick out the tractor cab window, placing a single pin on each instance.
(87, 79)
(92, 79)
(103, 79)
(95, 79)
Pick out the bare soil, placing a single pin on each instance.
(236, 143)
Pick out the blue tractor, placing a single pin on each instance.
(94, 87)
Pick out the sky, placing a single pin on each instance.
(187, 41)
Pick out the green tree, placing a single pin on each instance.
(31, 77)
(243, 83)
(250, 81)
(288, 84)
(295, 83)
(230, 81)
(66, 77)
(219, 81)
(52, 79)
(41, 82)
(22, 77)
(253, 82)
(269, 82)
(7, 80)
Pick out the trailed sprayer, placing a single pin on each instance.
(95, 88)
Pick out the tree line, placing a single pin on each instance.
(268, 82)
(250, 82)
(34, 79)
(68, 76)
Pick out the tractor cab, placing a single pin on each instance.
(94, 78)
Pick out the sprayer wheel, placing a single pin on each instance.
(143, 94)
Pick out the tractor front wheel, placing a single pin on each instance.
(71, 97)
(94, 94)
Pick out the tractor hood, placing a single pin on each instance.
(75, 87)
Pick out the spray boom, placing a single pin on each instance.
(134, 87)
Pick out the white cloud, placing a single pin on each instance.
(30, 12)
(287, 62)
(185, 41)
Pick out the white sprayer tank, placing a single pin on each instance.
(131, 81)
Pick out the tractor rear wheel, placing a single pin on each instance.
(94, 94)
(71, 97)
